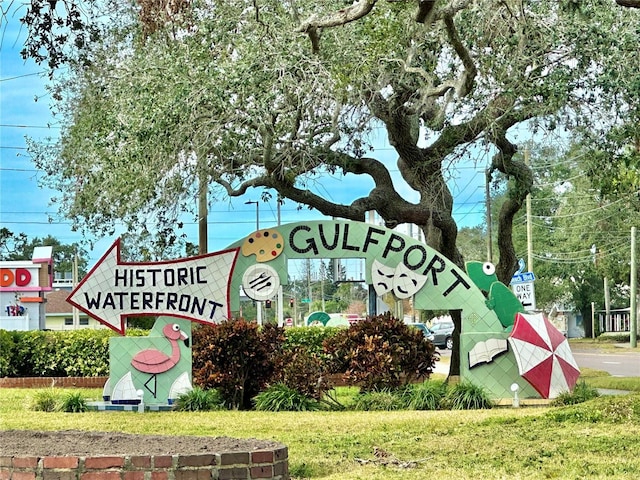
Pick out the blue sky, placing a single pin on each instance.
(25, 206)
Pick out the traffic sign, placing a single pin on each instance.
(526, 294)
(305, 300)
(523, 277)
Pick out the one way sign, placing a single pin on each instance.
(526, 294)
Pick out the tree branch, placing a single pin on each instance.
(341, 17)
(629, 3)
(426, 9)
(522, 177)
(467, 78)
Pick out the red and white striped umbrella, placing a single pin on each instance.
(543, 354)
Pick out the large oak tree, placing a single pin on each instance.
(274, 95)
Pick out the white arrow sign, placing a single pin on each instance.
(193, 288)
(526, 293)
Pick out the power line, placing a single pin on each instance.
(585, 212)
(22, 76)
(6, 125)
(609, 252)
(29, 170)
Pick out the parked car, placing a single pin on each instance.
(442, 334)
(424, 329)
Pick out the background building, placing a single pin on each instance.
(23, 285)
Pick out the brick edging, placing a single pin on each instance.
(241, 465)
(335, 379)
(43, 382)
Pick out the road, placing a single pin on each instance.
(618, 364)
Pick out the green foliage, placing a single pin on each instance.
(300, 470)
(20, 247)
(82, 353)
(187, 107)
(614, 338)
(237, 358)
(11, 243)
(582, 392)
(280, 398)
(427, 395)
(199, 399)
(380, 353)
(311, 338)
(34, 351)
(302, 371)
(7, 346)
(579, 236)
(466, 396)
(472, 242)
(45, 400)
(144, 323)
(85, 353)
(74, 402)
(382, 400)
(498, 443)
(138, 332)
(609, 409)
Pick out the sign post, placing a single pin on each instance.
(522, 286)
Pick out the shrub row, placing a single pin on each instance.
(85, 353)
(78, 353)
(428, 395)
(240, 359)
(41, 353)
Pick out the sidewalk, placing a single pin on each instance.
(442, 367)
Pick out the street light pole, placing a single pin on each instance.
(249, 202)
(488, 213)
(634, 291)
(258, 303)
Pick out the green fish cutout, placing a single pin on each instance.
(500, 298)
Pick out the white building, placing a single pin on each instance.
(23, 285)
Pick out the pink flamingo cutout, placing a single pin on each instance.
(154, 361)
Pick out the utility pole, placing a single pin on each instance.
(278, 205)
(529, 224)
(487, 192)
(310, 298)
(322, 274)
(202, 212)
(607, 300)
(634, 291)
(280, 304)
(280, 307)
(74, 311)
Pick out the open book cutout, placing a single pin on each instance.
(485, 352)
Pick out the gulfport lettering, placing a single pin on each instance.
(304, 239)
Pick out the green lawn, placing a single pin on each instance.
(599, 439)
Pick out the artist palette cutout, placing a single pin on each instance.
(264, 244)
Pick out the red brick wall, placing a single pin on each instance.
(90, 382)
(261, 464)
(43, 382)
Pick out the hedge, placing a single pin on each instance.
(85, 353)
